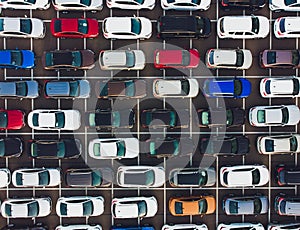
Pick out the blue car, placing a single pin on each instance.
(227, 87)
(15, 59)
(133, 228)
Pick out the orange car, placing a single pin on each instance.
(193, 205)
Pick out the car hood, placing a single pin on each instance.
(294, 114)
(246, 87)
(152, 206)
(33, 89)
(238, 116)
(38, 28)
(98, 207)
(243, 144)
(55, 177)
(87, 58)
(44, 207)
(84, 87)
(140, 59)
(15, 119)
(72, 121)
(13, 146)
(28, 59)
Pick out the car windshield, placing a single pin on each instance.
(234, 145)
(136, 26)
(289, 2)
(2, 147)
(21, 89)
(140, 2)
(293, 144)
(88, 208)
(121, 150)
(25, 26)
(86, 2)
(200, 25)
(239, 58)
(83, 26)
(237, 87)
(257, 206)
(178, 208)
(185, 58)
(185, 87)
(255, 25)
(255, 177)
(130, 58)
(296, 86)
(261, 116)
(202, 205)
(61, 149)
(205, 118)
(44, 177)
(269, 145)
(233, 207)
(3, 120)
(16, 57)
(211, 57)
(63, 209)
(1, 24)
(142, 208)
(285, 115)
(202, 177)
(222, 25)
(271, 57)
(282, 25)
(295, 57)
(96, 178)
(60, 120)
(130, 88)
(74, 88)
(33, 208)
(149, 177)
(76, 58)
(229, 117)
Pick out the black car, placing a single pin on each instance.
(110, 118)
(168, 147)
(89, 177)
(183, 26)
(11, 147)
(287, 175)
(216, 145)
(252, 5)
(220, 116)
(38, 226)
(54, 149)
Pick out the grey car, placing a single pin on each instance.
(19, 89)
(67, 89)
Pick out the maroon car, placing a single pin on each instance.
(280, 59)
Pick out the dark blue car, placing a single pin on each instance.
(16, 59)
(227, 87)
(133, 228)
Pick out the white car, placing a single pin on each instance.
(185, 4)
(26, 207)
(5, 177)
(287, 27)
(239, 226)
(289, 226)
(114, 148)
(141, 176)
(244, 175)
(229, 59)
(36, 177)
(48, 119)
(280, 87)
(131, 4)
(283, 5)
(80, 206)
(243, 27)
(274, 115)
(182, 88)
(25, 4)
(279, 144)
(122, 59)
(127, 28)
(184, 227)
(79, 227)
(134, 207)
(22, 27)
(91, 5)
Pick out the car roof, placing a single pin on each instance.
(11, 24)
(5, 57)
(67, 1)
(126, 210)
(62, 58)
(114, 58)
(237, 23)
(224, 56)
(292, 23)
(118, 24)
(273, 115)
(292, 207)
(7, 88)
(167, 57)
(178, 23)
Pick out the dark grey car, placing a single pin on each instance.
(19, 89)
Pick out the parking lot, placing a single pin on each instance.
(254, 74)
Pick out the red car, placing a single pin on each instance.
(176, 58)
(74, 27)
(11, 119)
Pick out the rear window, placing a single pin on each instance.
(237, 87)
(211, 57)
(178, 208)
(269, 145)
(136, 26)
(255, 177)
(44, 178)
(185, 87)
(271, 57)
(233, 207)
(289, 2)
(268, 87)
(222, 25)
(255, 25)
(86, 2)
(185, 58)
(57, 25)
(282, 25)
(285, 115)
(83, 26)
(261, 116)
(88, 208)
(3, 119)
(239, 58)
(202, 205)
(293, 144)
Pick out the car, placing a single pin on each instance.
(11, 119)
(180, 88)
(79, 227)
(36, 177)
(183, 26)
(25, 4)
(179, 58)
(122, 59)
(68, 59)
(164, 118)
(131, 4)
(74, 5)
(237, 226)
(279, 87)
(185, 5)
(51, 119)
(67, 89)
(238, 59)
(107, 118)
(245, 205)
(74, 27)
(22, 27)
(214, 117)
(5, 177)
(17, 59)
(285, 175)
(227, 87)
(168, 147)
(192, 205)
(26, 207)
(54, 149)
(225, 145)
(287, 205)
(251, 5)
(80, 206)
(244, 176)
(19, 89)
(274, 115)
(140, 176)
(133, 228)
(192, 177)
(290, 226)
(280, 59)
(287, 27)
(243, 27)
(121, 89)
(281, 5)
(38, 226)
(11, 147)
(127, 28)
(278, 144)
(184, 227)
(89, 177)
(113, 148)
(140, 207)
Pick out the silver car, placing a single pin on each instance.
(19, 89)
